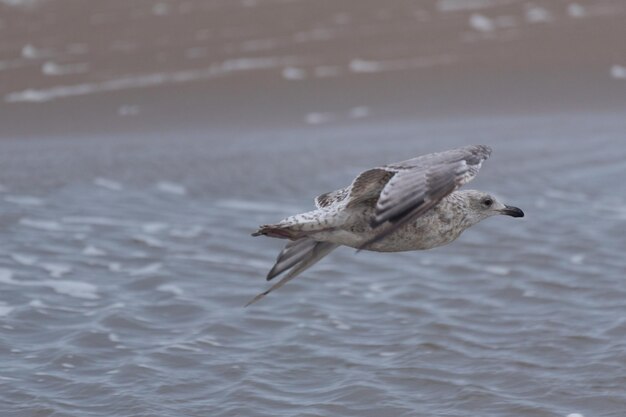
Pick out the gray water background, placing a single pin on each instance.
(125, 269)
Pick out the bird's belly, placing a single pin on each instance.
(418, 236)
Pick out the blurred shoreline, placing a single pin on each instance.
(70, 69)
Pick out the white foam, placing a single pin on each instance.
(575, 415)
(481, 23)
(536, 14)
(498, 270)
(20, 3)
(361, 65)
(147, 270)
(575, 10)
(114, 267)
(97, 221)
(127, 110)
(24, 259)
(364, 66)
(359, 112)
(108, 184)
(5, 309)
(30, 52)
(577, 259)
(293, 73)
(36, 303)
(618, 72)
(171, 188)
(72, 288)
(209, 340)
(170, 288)
(151, 80)
(339, 325)
(49, 225)
(318, 118)
(160, 9)
(24, 200)
(464, 5)
(53, 69)
(155, 227)
(56, 270)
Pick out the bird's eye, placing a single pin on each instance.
(487, 202)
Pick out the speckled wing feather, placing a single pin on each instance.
(420, 183)
(367, 185)
(329, 199)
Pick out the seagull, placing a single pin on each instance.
(404, 206)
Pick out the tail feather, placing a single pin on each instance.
(298, 255)
(274, 230)
(293, 253)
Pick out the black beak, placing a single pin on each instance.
(512, 211)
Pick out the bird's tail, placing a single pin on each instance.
(281, 231)
(297, 256)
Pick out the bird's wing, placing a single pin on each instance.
(368, 185)
(418, 184)
(331, 198)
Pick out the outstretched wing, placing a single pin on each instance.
(420, 183)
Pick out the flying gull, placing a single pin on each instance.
(409, 205)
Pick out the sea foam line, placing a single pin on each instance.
(150, 80)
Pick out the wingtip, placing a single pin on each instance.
(256, 298)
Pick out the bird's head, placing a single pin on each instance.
(482, 205)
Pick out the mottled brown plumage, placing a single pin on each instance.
(408, 205)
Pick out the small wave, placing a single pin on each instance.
(56, 270)
(93, 251)
(75, 289)
(498, 270)
(170, 288)
(155, 227)
(149, 269)
(24, 259)
(24, 200)
(108, 184)
(5, 309)
(97, 221)
(49, 225)
(148, 241)
(171, 188)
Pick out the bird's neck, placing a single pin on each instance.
(459, 205)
